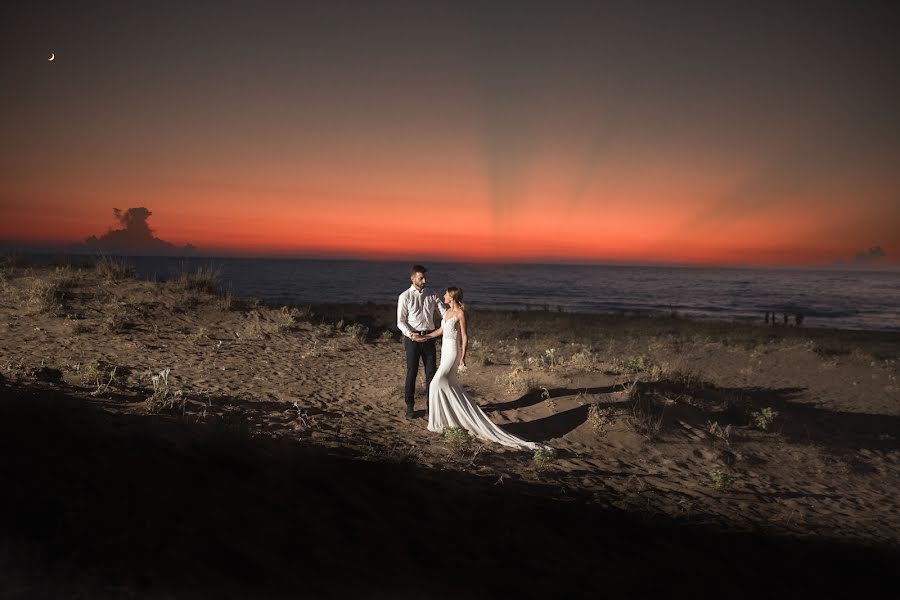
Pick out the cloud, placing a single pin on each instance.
(868, 257)
(135, 237)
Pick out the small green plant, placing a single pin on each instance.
(721, 480)
(764, 418)
(459, 439)
(386, 336)
(543, 457)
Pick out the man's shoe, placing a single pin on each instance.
(409, 413)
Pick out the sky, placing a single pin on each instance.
(734, 133)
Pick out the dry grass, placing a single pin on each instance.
(583, 359)
(79, 326)
(15, 260)
(647, 417)
(112, 269)
(518, 380)
(600, 418)
(102, 375)
(117, 317)
(45, 295)
(358, 331)
(718, 432)
(206, 280)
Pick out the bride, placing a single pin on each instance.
(448, 403)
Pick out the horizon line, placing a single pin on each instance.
(51, 251)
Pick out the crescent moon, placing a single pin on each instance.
(52, 56)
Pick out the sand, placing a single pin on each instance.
(274, 454)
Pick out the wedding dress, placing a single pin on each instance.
(448, 404)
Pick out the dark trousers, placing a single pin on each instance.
(419, 351)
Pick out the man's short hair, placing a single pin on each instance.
(418, 269)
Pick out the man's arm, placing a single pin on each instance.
(441, 306)
(403, 316)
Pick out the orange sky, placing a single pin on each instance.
(421, 146)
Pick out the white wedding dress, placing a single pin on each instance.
(448, 404)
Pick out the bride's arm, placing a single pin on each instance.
(434, 333)
(464, 336)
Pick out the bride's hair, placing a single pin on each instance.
(457, 295)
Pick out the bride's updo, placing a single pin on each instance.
(457, 295)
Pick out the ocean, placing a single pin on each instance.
(845, 299)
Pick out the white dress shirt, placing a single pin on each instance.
(415, 310)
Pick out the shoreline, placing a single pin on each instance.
(814, 315)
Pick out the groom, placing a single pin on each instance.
(415, 317)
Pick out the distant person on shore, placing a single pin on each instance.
(448, 403)
(415, 318)
(798, 318)
(767, 317)
(785, 319)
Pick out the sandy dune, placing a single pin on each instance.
(275, 450)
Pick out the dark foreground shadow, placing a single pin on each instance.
(98, 506)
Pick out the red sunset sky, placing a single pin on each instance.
(484, 131)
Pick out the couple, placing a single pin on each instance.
(448, 404)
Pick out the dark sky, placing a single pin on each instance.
(722, 132)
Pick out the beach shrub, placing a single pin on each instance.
(764, 417)
(721, 480)
(460, 440)
(45, 296)
(600, 418)
(543, 457)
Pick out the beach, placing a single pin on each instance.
(163, 437)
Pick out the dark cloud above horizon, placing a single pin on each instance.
(135, 237)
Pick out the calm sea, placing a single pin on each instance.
(848, 299)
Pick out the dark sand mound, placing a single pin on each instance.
(102, 505)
